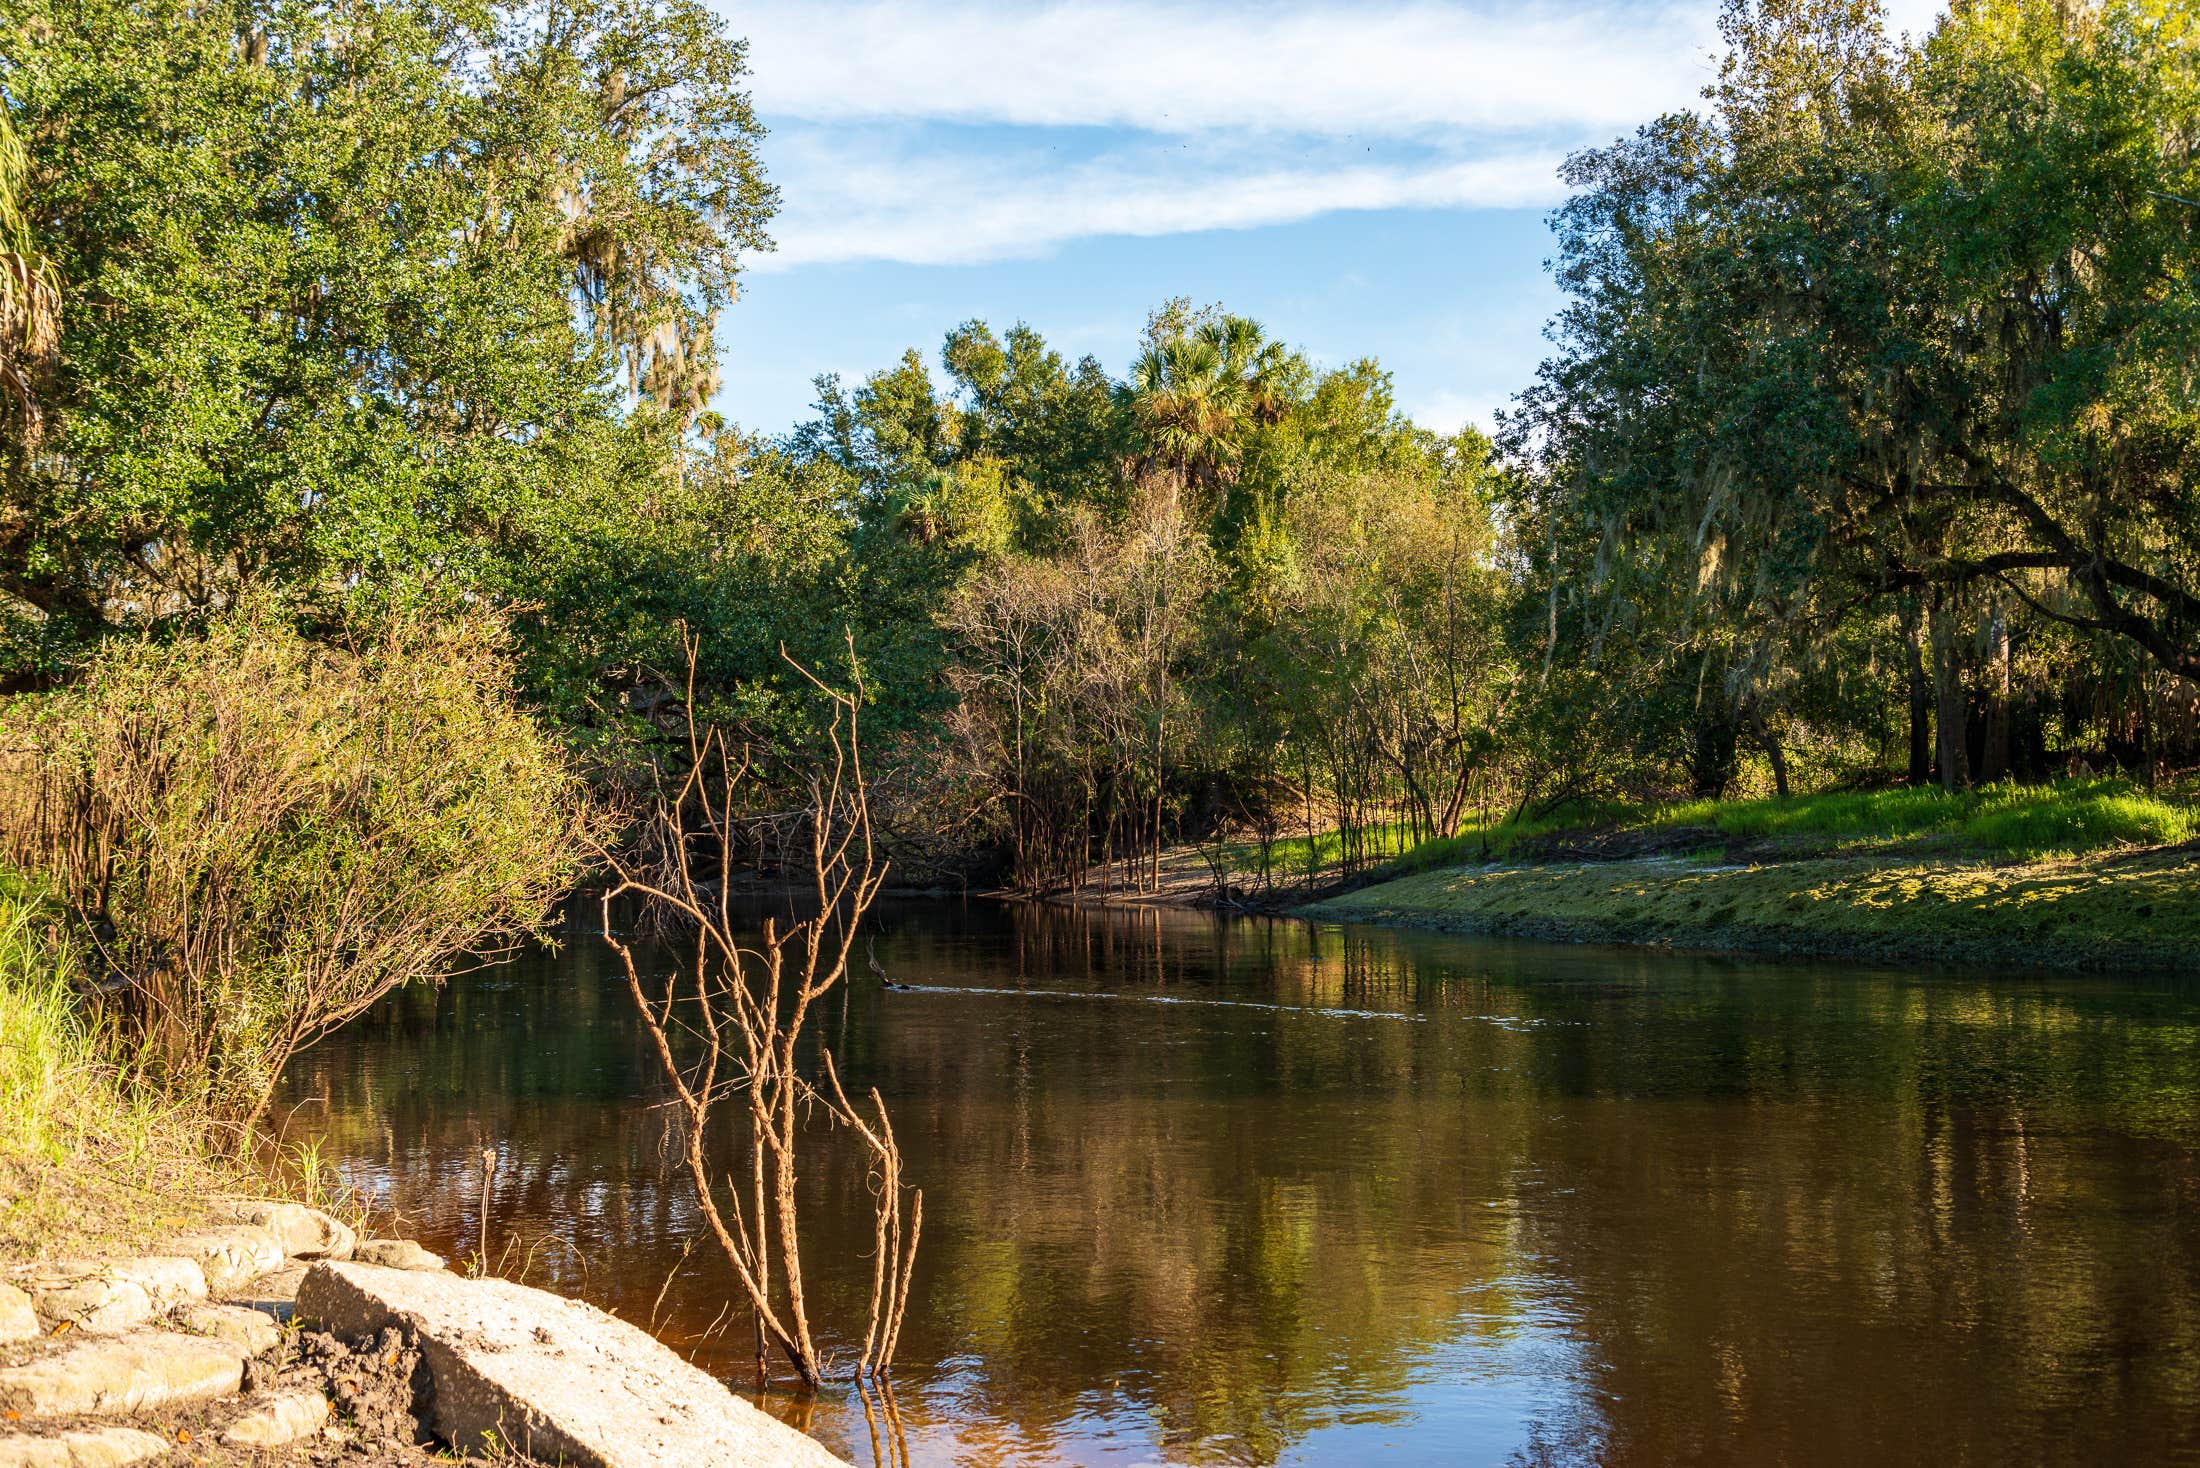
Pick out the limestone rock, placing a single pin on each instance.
(117, 1375)
(396, 1254)
(79, 1447)
(251, 1331)
(272, 1294)
(232, 1255)
(305, 1233)
(18, 1321)
(553, 1378)
(105, 1299)
(278, 1419)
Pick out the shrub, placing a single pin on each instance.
(264, 834)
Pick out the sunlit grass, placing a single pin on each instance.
(2144, 912)
(1290, 856)
(2072, 818)
(2006, 820)
(85, 1159)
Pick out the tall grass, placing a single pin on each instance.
(86, 1160)
(47, 1055)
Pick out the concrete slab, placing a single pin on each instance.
(80, 1447)
(18, 1321)
(232, 1255)
(109, 1298)
(251, 1331)
(396, 1254)
(114, 1376)
(305, 1233)
(553, 1378)
(277, 1419)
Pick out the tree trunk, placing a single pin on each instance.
(1921, 698)
(1774, 751)
(1994, 757)
(1953, 718)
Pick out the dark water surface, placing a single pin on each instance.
(1358, 1196)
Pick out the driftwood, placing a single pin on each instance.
(726, 1026)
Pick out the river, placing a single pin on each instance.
(1245, 1191)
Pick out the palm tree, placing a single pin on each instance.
(1192, 395)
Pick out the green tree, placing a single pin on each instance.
(355, 283)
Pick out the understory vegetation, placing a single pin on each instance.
(86, 1158)
(373, 532)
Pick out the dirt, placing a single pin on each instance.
(380, 1389)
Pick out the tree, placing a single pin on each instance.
(1192, 395)
(355, 281)
(30, 307)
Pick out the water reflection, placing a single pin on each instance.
(1380, 1196)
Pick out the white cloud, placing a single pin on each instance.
(1329, 69)
(962, 131)
(853, 203)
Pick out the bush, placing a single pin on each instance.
(264, 835)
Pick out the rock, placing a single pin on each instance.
(251, 1331)
(117, 1375)
(552, 1378)
(305, 1233)
(80, 1447)
(396, 1254)
(278, 1419)
(272, 1294)
(108, 1298)
(18, 1321)
(232, 1256)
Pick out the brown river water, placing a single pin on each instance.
(1204, 1190)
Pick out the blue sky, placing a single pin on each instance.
(1365, 179)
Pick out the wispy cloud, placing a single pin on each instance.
(961, 131)
(950, 209)
(1333, 69)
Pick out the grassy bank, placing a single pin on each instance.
(2129, 910)
(2082, 873)
(88, 1164)
(2003, 822)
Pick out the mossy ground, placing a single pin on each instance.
(2129, 910)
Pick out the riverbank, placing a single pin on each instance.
(269, 1332)
(2128, 910)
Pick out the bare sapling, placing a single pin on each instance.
(727, 1025)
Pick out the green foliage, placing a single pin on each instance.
(363, 273)
(271, 834)
(1885, 334)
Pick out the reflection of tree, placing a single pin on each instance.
(1789, 1212)
(1916, 1237)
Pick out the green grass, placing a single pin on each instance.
(1288, 855)
(2134, 911)
(1391, 842)
(87, 1163)
(2070, 818)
